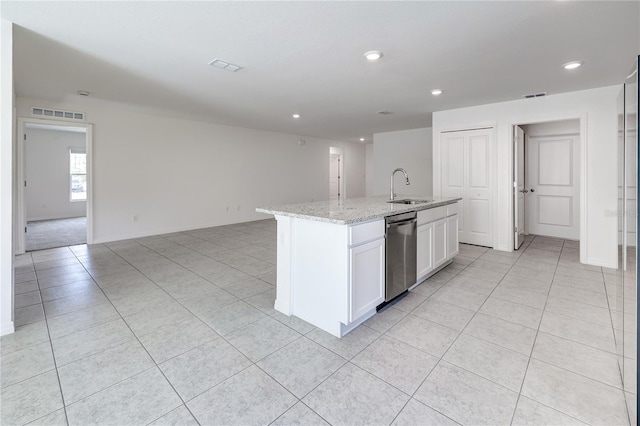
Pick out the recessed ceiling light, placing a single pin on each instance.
(361, 139)
(83, 93)
(436, 92)
(572, 65)
(296, 115)
(373, 55)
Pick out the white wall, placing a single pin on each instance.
(596, 109)
(409, 149)
(369, 169)
(47, 174)
(7, 159)
(176, 174)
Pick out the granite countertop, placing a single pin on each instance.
(354, 210)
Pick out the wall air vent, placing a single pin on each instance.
(56, 113)
(535, 95)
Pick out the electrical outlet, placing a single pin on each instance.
(135, 217)
(238, 207)
(227, 209)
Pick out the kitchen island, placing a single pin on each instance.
(331, 255)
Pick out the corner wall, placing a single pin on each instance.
(596, 109)
(409, 149)
(175, 174)
(7, 143)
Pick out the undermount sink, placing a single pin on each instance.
(409, 201)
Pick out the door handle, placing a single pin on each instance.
(524, 191)
(532, 190)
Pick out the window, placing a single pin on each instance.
(78, 174)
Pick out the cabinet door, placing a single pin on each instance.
(424, 250)
(452, 236)
(366, 278)
(440, 242)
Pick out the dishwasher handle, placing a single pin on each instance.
(400, 223)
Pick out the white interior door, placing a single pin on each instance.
(334, 176)
(553, 182)
(518, 186)
(466, 173)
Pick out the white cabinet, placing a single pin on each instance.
(440, 242)
(330, 275)
(424, 253)
(437, 239)
(367, 278)
(452, 236)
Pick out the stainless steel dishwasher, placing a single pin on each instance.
(400, 254)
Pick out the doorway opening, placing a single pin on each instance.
(546, 180)
(54, 175)
(336, 174)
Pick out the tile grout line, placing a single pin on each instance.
(303, 335)
(412, 396)
(460, 332)
(75, 256)
(524, 377)
(53, 355)
(615, 340)
(139, 342)
(221, 336)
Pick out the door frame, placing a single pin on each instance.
(21, 208)
(343, 186)
(516, 231)
(582, 118)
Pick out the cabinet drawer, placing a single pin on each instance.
(370, 231)
(426, 216)
(452, 209)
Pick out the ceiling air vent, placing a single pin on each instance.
(224, 65)
(535, 95)
(56, 113)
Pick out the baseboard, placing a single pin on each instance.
(7, 328)
(39, 219)
(154, 232)
(602, 263)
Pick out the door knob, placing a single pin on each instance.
(532, 190)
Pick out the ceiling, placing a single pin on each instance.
(307, 57)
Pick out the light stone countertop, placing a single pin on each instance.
(354, 210)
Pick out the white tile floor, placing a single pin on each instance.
(180, 329)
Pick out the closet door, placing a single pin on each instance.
(466, 167)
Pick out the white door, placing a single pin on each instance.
(452, 236)
(466, 173)
(424, 253)
(553, 182)
(518, 186)
(367, 277)
(334, 176)
(440, 242)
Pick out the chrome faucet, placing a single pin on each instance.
(392, 195)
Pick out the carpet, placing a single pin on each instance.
(44, 234)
